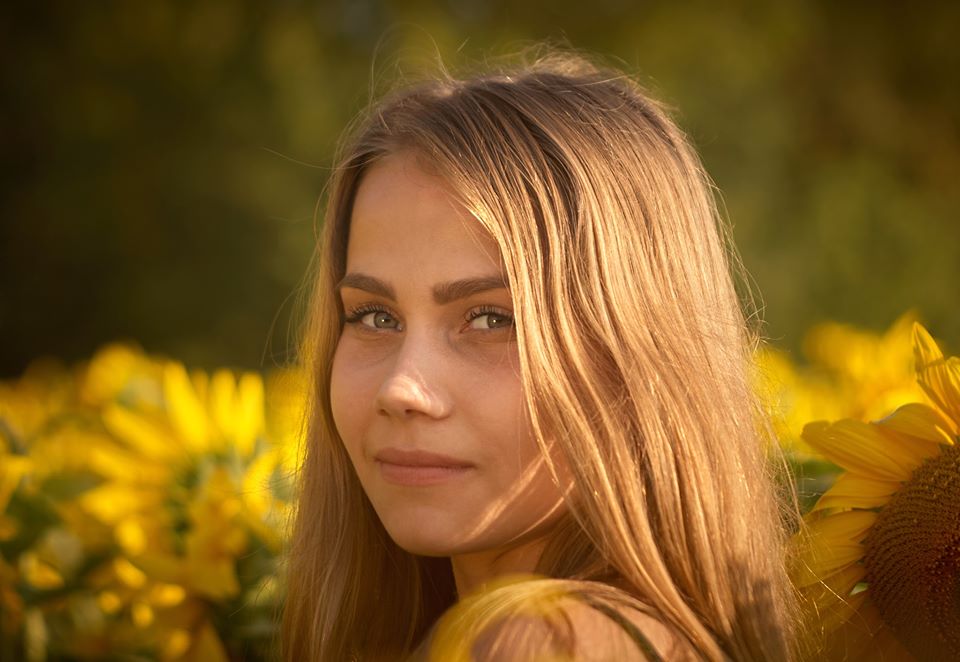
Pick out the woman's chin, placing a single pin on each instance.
(423, 543)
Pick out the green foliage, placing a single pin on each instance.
(165, 158)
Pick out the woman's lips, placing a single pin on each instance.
(419, 468)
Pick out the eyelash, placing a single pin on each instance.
(356, 315)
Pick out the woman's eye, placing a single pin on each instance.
(374, 319)
(379, 320)
(490, 321)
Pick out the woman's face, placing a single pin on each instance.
(425, 389)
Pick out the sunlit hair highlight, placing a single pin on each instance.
(634, 358)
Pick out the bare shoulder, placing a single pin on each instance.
(582, 631)
(604, 632)
(552, 619)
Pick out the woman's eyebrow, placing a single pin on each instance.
(460, 289)
(443, 293)
(367, 284)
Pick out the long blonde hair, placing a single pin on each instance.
(634, 357)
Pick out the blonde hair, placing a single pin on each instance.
(634, 358)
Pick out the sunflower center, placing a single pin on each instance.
(913, 559)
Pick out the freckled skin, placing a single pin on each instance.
(417, 375)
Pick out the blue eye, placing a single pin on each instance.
(372, 317)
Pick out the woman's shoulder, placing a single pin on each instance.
(621, 629)
(557, 619)
(623, 632)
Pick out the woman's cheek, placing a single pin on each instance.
(345, 400)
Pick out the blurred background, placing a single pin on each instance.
(162, 161)
(162, 165)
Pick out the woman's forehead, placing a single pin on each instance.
(404, 218)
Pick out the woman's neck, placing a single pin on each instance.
(473, 570)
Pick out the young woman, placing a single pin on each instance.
(528, 356)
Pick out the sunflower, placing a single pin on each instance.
(878, 561)
(849, 373)
(140, 504)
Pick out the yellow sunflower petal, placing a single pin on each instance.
(843, 527)
(249, 416)
(213, 578)
(833, 592)
(176, 643)
(201, 384)
(938, 376)
(830, 544)
(207, 647)
(145, 434)
(13, 468)
(865, 638)
(163, 567)
(921, 422)
(186, 410)
(834, 614)
(112, 502)
(853, 491)
(863, 449)
(825, 560)
(223, 390)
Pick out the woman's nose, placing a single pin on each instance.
(415, 384)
